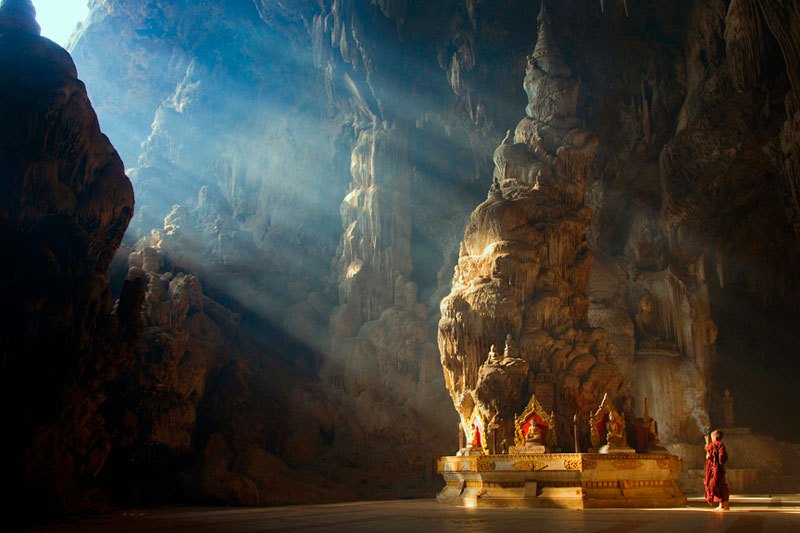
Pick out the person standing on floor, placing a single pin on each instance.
(714, 480)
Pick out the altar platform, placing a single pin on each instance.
(564, 480)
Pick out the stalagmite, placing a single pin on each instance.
(744, 42)
(522, 273)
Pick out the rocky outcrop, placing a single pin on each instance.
(523, 270)
(381, 363)
(376, 239)
(209, 413)
(65, 203)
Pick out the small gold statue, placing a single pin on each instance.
(534, 435)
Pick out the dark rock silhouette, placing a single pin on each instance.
(65, 203)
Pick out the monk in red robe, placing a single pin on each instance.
(714, 480)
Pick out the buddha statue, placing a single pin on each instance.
(648, 331)
(727, 409)
(652, 434)
(607, 429)
(495, 192)
(494, 357)
(474, 440)
(534, 435)
(615, 430)
(511, 350)
(647, 334)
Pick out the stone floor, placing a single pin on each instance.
(748, 514)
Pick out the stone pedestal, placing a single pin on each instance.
(469, 451)
(615, 448)
(568, 480)
(527, 449)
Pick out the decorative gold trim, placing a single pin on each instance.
(455, 464)
(643, 483)
(664, 464)
(476, 416)
(572, 464)
(589, 464)
(613, 484)
(495, 484)
(483, 464)
(558, 484)
(550, 456)
(527, 465)
(631, 464)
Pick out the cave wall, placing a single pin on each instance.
(65, 203)
(304, 174)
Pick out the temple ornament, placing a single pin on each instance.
(475, 429)
(534, 429)
(607, 429)
(647, 439)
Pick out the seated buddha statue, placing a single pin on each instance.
(648, 331)
(474, 437)
(615, 430)
(534, 435)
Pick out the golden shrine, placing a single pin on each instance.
(567, 480)
(612, 475)
(534, 430)
(607, 430)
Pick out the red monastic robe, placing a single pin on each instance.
(714, 480)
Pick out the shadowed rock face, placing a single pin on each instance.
(65, 203)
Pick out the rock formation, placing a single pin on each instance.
(65, 203)
(524, 266)
(381, 362)
(198, 414)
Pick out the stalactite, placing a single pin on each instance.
(790, 143)
(646, 128)
(375, 246)
(782, 19)
(744, 43)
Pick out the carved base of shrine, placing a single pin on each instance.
(528, 449)
(611, 448)
(469, 452)
(567, 480)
